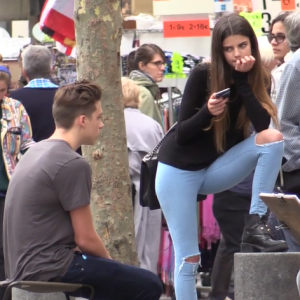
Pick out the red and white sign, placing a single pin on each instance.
(192, 28)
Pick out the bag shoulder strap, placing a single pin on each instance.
(161, 142)
(151, 154)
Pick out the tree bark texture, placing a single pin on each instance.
(98, 26)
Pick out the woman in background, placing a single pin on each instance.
(146, 67)
(143, 134)
(268, 58)
(279, 43)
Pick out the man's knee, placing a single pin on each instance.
(155, 287)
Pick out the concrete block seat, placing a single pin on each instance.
(40, 290)
(266, 276)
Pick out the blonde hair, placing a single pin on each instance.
(131, 93)
(266, 52)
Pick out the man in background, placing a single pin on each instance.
(37, 96)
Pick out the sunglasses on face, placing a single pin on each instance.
(279, 38)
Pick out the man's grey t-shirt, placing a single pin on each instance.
(48, 182)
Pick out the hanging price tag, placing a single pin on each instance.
(288, 4)
(194, 28)
(255, 20)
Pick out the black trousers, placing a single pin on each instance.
(112, 280)
(2, 271)
(229, 209)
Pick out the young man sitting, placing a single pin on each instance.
(48, 229)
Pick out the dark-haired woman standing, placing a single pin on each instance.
(280, 46)
(210, 150)
(146, 67)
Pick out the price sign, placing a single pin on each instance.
(194, 28)
(255, 19)
(288, 4)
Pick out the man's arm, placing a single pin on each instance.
(73, 185)
(86, 237)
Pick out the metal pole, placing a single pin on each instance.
(171, 117)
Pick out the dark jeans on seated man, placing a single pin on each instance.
(111, 279)
(229, 209)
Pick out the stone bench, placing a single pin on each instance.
(266, 276)
(18, 294)
(38, 290)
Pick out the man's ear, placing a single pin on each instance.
(81, 120)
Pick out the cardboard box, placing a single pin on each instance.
(142, 7)
(129, 24)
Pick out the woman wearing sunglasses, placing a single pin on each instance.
(277, 37)
(146, 67)
(16, 138)
(279, 43)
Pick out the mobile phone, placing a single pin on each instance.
(223, 94)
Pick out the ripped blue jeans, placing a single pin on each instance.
(177, 192)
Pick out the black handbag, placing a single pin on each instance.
(149, 164)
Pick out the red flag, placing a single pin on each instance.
(57, 22)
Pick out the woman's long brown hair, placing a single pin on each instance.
(220, 76)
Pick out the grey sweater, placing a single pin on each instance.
(288, 105)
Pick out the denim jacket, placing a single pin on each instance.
(16, 133)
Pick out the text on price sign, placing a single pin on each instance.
(194, 28)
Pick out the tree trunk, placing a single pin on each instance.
(98, 26)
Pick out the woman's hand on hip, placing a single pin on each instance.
(216, 106)
(245, 64)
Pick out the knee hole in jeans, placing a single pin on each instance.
(268, 136)
(193, 262)
(192, 259)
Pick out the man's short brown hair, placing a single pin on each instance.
(73, 100)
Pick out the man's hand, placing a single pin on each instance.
(86, 238)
